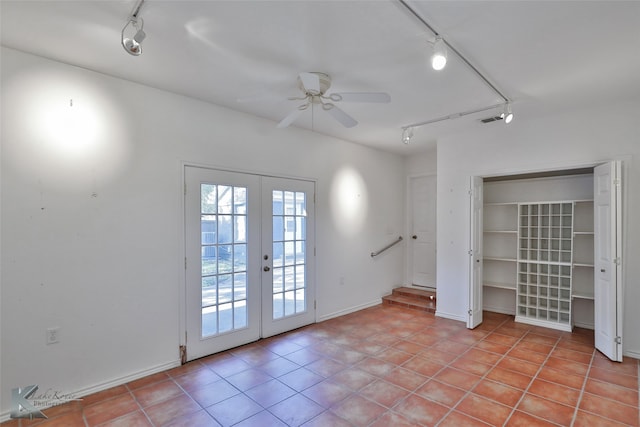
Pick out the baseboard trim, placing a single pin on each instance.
(350, 310)
(5, 416)
(499, 310)
(451, 316)
(584, 325)
(634, 354)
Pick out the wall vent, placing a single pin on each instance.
(491, 119)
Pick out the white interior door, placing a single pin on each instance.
(423, 231)
(475, 253)
(222, 237)
(249, 246)
(607, 266)
(288, 246)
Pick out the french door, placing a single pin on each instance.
(287, 253)
(249, 244)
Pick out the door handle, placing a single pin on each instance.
(602, 270)
(414, 237)
(266, 268)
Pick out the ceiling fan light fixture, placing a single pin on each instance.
(407, 134)
(439, 56)
(507, 114)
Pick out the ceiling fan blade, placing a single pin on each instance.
(311, 82)
(364, 97)
(291, 117)
(345, 119)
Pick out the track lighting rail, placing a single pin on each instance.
(507, 115)
(136, 9)
(453, 116)
(454, 50)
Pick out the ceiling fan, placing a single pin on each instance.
(314, 86)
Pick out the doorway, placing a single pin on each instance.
(507, 246)
(249, 258)
(422, 229)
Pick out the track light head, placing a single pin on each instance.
(507, 115)
(439, 56)
(133, 45)
(407, 134)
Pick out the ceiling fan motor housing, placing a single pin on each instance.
(324, 80)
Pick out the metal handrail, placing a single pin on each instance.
(375, 254)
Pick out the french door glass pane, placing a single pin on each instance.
(223, 224)
(289, 291)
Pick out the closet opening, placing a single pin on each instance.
(546, 249)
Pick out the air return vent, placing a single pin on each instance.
(491, 119)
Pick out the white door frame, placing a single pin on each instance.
(408, 274)
(626, 160)
(182, 246)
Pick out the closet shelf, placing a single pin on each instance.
(490, 258)
(583, 264)
(508, 286)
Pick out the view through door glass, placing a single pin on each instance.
(289, 253)
(223, 220)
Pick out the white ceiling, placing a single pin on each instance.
(546, 56)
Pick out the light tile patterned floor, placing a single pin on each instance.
(384, 366)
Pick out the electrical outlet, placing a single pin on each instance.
(53, 335)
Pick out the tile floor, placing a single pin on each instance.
(383, 366)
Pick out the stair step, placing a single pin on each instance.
(410, 302)
(415, 293)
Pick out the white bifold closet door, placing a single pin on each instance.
(607, 220)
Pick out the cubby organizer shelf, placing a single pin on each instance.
(545, 259)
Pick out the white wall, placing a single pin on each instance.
(91, 231)
(422, 163)
(568, 140)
